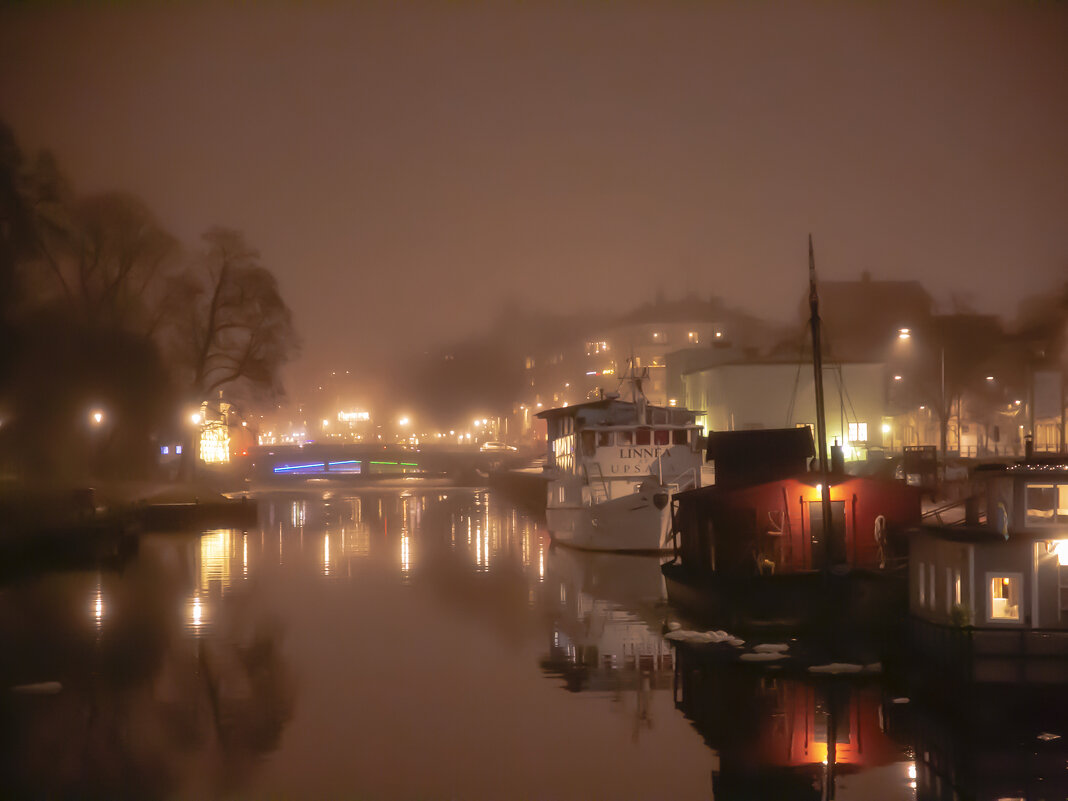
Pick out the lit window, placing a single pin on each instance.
(1004, 597)
(1047, 504)
(164, 450)
(178, 449)
(858, 432)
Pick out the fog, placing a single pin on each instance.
(408, 172)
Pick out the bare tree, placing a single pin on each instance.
(233, 327)
(104, 257)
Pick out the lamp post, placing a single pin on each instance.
(943, 412)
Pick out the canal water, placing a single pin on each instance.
(408, 644)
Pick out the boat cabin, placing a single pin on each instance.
(612, 444)
(764, 515)
(1007, 565)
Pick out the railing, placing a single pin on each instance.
(687, 479)
(994, 654)
(598, 493)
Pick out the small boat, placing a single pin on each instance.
(614, 465)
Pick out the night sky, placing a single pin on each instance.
(404, 168)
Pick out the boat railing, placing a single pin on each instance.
(687, 479)
(597, 482)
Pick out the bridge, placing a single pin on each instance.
(357, 461)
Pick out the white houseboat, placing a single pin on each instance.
(613, 466)
(991, 594)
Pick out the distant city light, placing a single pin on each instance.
(903, 333)
(97, 417)
(897, 378)
(195, 418)
(886, 428)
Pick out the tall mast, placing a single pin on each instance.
(821, 422)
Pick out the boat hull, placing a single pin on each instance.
(854, 601)
(638, 523)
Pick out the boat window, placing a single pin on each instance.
(662, 436)
(643, 436)
(589, 442)
(1004, 596)
(604, 439)
(624, 437)
(1047, 504)
(678, 436)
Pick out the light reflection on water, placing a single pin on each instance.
(320, 654)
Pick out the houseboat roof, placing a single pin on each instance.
(963, 533)
(576, 409)
(669, 415)
(757, 456)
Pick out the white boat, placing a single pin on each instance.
(613, 466)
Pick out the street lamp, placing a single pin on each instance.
(96, 417)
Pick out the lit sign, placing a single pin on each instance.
(353, 417)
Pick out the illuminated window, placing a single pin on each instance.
(178, 449)
(1005, 592)
(164, 450)
(1047, 504)
(530, 363)
(694, 338)
(858, 432)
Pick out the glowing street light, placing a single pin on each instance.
(97, 417)
(903, 333)
(195, 418)
(403, 421)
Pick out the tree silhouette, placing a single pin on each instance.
(233, 327)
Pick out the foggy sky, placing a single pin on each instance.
(403, 167)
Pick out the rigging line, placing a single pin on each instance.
(842, 391)
(797, 377)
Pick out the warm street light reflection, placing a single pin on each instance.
(196, 615)
(98, 606)
(215, 557)
(326, 554)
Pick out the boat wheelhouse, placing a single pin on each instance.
(613, 466)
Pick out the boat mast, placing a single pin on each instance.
(821, 422)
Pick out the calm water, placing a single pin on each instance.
(406, 645)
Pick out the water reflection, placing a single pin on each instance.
(411, 611)
(172, 668)
(781, 736)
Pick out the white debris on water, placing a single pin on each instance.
(771, 647)
(836, 667)
(763, 656)
(685, 635)
(40, 688)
